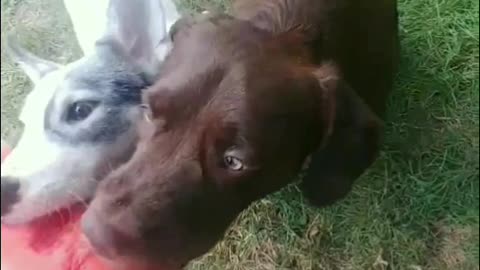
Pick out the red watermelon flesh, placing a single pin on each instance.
(51, 243)
(54, 242)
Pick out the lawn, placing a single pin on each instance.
(418, 206)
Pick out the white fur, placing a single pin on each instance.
(54, 175)
(96, 26)
(89, 20)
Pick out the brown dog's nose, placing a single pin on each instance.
(105, 239)
(10, 187)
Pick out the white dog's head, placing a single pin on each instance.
(79, 119)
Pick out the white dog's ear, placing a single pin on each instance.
(35, 67)
(171, 13)
(140, 26)
(89, 20)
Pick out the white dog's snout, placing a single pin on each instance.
(34, 179)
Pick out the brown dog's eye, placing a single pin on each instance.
(233, 163)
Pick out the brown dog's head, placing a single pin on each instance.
(232, 119)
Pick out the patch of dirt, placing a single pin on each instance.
(449, 251)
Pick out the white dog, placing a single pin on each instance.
(80, 118)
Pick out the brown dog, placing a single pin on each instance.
(242, 102)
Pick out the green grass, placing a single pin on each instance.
(417, 208)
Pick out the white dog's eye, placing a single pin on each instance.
(79, 111)
(233, 163)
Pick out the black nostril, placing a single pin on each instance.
(10, 187)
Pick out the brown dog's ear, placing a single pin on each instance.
(180, 24)
(350, 143)
(188, 21)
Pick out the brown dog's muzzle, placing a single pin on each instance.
(105, 238)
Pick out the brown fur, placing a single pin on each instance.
(279, 81)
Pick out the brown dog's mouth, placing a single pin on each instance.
(106, 240)
(117, 247)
